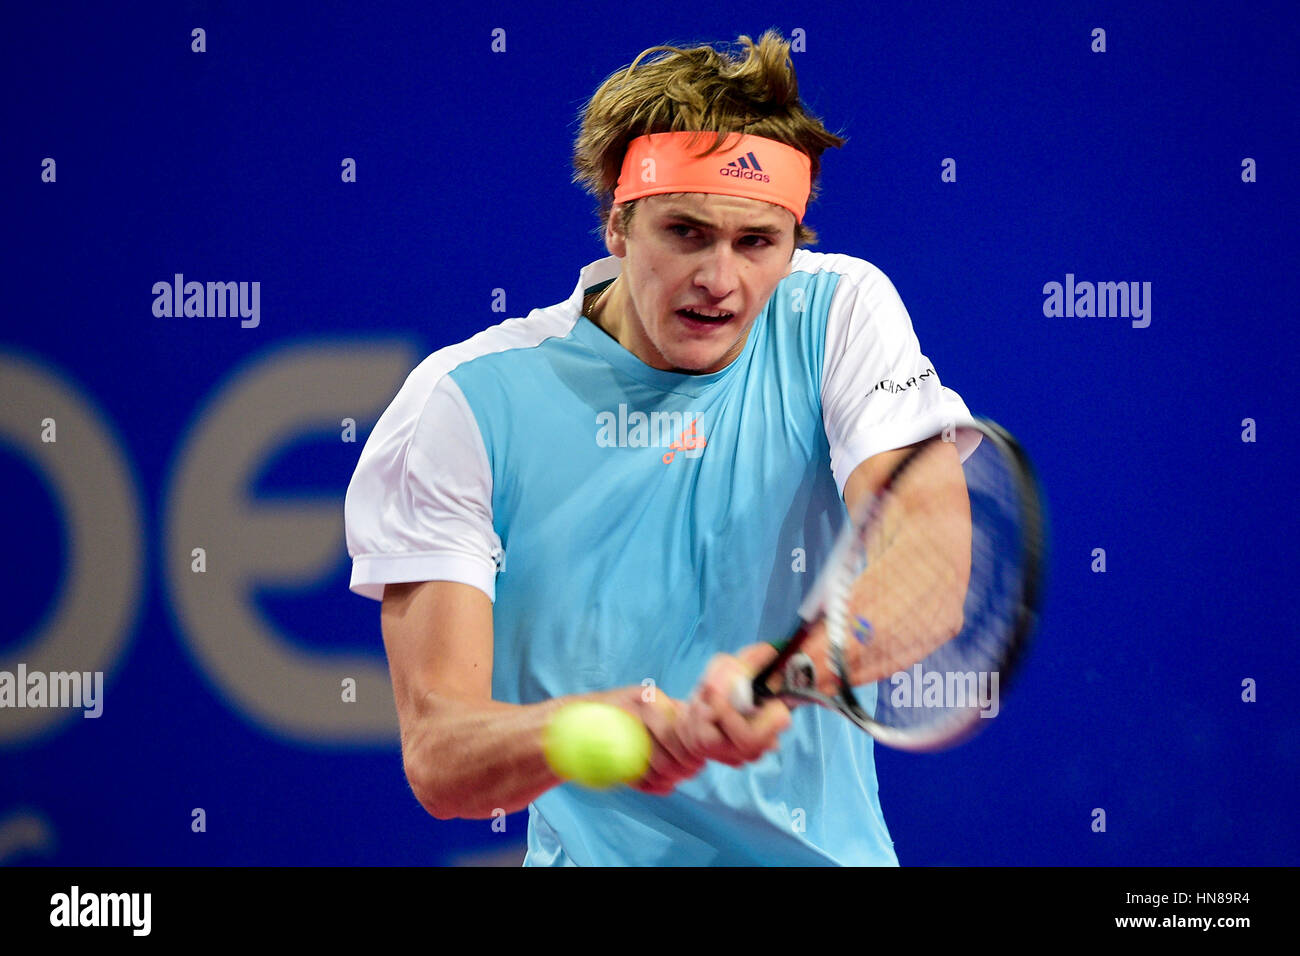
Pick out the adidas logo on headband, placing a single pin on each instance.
(672, 163)
(746, 167)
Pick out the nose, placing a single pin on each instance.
(719, 273)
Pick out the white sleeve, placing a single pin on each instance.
(878, 391)
(419, 506)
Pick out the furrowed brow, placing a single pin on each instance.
(688, 219)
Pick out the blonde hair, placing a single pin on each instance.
(696, 89)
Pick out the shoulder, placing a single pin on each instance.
(511, 339)
(432, 414)
(837, 286)
(508, 338)
(827, 294)
(837, 265)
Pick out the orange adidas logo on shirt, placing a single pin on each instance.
(686, 441)
(675, 431)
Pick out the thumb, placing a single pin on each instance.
(756, 656)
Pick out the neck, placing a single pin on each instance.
(599, 312)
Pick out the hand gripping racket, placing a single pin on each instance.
(929, 596)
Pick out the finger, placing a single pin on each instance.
(663, 772)
(749, 740)
(706, 738)
(742, 738)
(754, 734)
(773, 720)
(654, 784)
(667, 765)
(671, 757)
(722, 673)
(756, 656)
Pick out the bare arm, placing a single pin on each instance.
(913, 592)
(466, 755)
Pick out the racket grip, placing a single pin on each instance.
(747, 693)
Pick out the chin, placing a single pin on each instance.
(693, 360)
(695, 355)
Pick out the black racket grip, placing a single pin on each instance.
(749, 695)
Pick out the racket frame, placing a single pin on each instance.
(826, 590)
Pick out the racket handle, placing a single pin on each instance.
(747, 693)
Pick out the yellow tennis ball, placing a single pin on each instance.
(596, 745)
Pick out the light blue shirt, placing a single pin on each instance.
(624, 560)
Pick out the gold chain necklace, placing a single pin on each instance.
(591, 310)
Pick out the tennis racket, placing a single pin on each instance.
(930, 594)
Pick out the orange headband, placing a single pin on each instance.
(755, 167)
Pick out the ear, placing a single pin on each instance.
(615, 240)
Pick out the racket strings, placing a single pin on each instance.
(908, 572)
(932, 666)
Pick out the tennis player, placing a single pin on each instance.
(622, 496)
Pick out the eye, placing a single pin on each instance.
(683, 231)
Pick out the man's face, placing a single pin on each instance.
(695, 253)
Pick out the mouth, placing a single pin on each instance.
(704, 318)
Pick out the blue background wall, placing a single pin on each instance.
(225, 165)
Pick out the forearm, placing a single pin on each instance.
(913, 589)
(912, 595)
(468, 758)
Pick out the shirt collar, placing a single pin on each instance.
(594, 273)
